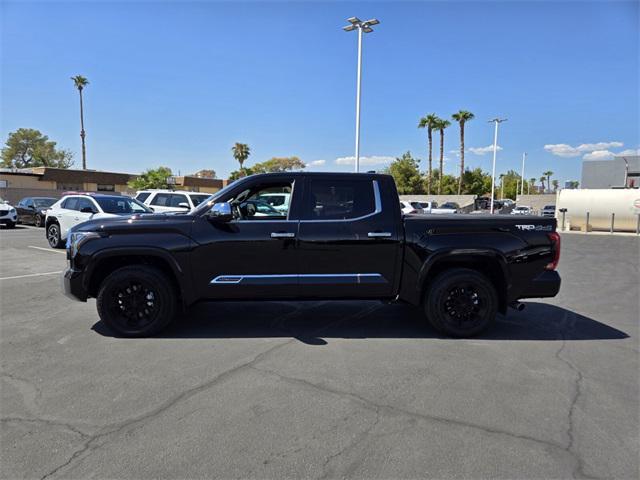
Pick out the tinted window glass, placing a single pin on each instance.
(71, 203)
(142, 196)
(338, 199)
(176, 200)
(198, 199)
(44, 202)
(162, 200)
(121, 205)
(86, 203)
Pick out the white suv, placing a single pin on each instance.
(73, 209)
(171, 200)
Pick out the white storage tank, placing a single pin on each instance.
(600, 203)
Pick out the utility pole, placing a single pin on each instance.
(362, 27)
(496, 121)
(524, 156)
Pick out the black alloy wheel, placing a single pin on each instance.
(136, 301)
(461, 302)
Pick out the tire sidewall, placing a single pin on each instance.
(437, 292)
(37, 221)
(149, 275)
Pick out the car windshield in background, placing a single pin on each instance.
(198, 199)
(121, 205)
(550, 207)
(43, 202)
(449, 205)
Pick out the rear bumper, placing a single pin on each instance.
(73, 285)
(547, 284)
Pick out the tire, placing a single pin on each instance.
(11, 224)
(461, 303)
(53, 236)
(37, 221)
(125, 296)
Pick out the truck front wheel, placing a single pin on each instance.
(136, 301)
(461, 302)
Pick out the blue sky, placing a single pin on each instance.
(177, 83)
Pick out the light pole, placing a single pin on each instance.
(362, 27)
(524, 156)
(496, 121)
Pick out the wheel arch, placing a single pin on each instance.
(105, 262)
(490, 263)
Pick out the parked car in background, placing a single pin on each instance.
(548, 211)
(425, 206)
(279, 201)
(72, 210)
(408, 209)
(8, 215)
(521, 210)
(33, 210)
(171, 200)
(447, 207)
(507, 202)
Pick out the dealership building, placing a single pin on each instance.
(611, 173)
(52, 182)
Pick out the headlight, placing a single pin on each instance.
(12, 210)
(76, 239)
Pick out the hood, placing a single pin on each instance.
(145, 222)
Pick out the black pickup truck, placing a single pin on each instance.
(308, 236)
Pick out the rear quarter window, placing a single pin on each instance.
(141, 197)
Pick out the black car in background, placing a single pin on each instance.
(33, 210)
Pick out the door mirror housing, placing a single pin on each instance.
(184, 205)
(221, 212)
(87, 210)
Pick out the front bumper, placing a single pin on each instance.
(73, 285)
(547, 284)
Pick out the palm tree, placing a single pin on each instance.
(241, 152)
(429, 123)
(80, 82)
(462, 117)
(548, 174)
(542, 180)
(555, 185)
(532, 182)
(441, 124)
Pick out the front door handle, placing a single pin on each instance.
(379, 234)
(283, 235)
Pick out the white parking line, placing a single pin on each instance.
(49, 250)
(31, 275)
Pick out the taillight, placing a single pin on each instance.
(555, 250)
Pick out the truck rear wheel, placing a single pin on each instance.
(461, 302)
(136, 301)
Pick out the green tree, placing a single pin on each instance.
(462, 117)
(151, 178)
(405, 171)
(542, 180)
(26, 148)
(440, 126)
(476, 182)
(241, 152)
(555, 184)
(429, 122)
(80, 82)
(279, 164)
(532, 183)
(548, 174)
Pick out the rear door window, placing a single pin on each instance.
(338, 199)
(177, 199)
(71, 203)
(162, 200)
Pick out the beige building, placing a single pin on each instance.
(52, 182)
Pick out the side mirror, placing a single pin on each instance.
(184, 205)
(87, 210)
(221, 212)
(31, 207)
(151, 208)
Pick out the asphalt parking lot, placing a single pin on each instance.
(321, 389)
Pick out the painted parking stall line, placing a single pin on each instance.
(50, 250)
(30, 275)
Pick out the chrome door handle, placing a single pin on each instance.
(282, 235)
(379, 234)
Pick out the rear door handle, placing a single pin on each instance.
(379, 234)
(283, 235)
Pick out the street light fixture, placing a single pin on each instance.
(362, 27)
(497, 121)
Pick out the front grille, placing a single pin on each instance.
(4, 212)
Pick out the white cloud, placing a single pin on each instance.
(373, 160)
(629, 151)
(483, 150)
(316, 163)
(599, 155)
(564, 150)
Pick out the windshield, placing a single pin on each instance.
(202, 207)
(121, 205)
(198, 199)
(43, 202)
(449, 205)
(550, 207)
